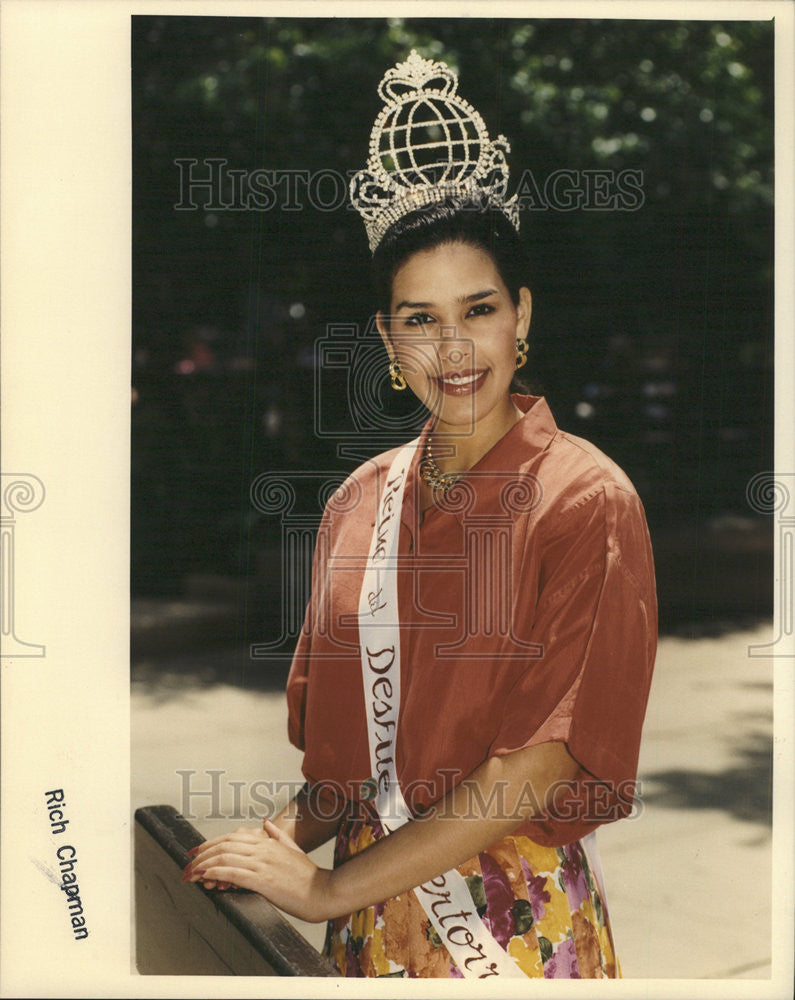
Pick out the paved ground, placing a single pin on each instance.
(688, 880)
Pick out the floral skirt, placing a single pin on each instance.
(542, 904)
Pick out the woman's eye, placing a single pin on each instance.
(481, 309)
(419, 319)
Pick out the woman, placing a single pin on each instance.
(470, 683)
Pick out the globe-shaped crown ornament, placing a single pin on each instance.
(427, 144)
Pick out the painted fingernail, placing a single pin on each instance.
(192, 852)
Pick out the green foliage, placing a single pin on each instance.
(688, 103)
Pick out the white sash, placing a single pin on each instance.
(446, 899)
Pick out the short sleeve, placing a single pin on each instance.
(596, 621)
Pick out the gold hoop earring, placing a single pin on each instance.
(396, 375)
(521, 352)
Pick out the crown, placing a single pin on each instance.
(427, 144)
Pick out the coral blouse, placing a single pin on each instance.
(528, 614)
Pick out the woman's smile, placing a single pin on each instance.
(462, 383)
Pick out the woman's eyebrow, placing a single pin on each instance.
(477, 295)
(473, 297)
(412, 305)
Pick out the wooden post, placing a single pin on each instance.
(182, 929)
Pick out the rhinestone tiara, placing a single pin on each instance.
(427, 144)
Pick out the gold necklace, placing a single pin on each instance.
(433, 475)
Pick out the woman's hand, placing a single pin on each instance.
(493, 801)
(266, 861)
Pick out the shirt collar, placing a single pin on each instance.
(500, 469)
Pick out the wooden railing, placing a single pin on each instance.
(182, 929)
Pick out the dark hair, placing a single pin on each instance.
(471, 221)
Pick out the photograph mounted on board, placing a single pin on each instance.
(452, 511)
